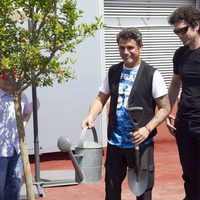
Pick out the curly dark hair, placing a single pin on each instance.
(190, 14)
(130, 33)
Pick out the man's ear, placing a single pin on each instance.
(197, 26)
(141, 46)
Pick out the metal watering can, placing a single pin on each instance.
(89, 157)
(87, 160)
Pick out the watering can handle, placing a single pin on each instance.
(82, 136)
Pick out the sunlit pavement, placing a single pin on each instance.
(168, 181)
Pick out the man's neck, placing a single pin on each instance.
(6, 90)
(132, 65)
(196, 43)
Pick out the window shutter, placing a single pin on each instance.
(150, 17)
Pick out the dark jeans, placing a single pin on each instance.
(188, 141)
(117, 161)
(10, 177)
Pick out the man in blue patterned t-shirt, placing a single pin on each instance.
(120, 149)
(123, 126)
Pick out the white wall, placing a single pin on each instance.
(64, 106)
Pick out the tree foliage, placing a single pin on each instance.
(36, 39)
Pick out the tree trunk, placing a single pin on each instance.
(23, 148)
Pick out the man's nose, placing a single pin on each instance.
(126, 50)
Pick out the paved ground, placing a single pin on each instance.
(168, 181)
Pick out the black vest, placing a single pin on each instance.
(140, 96)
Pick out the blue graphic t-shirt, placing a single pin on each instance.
(121, 132)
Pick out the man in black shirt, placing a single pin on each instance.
(186, 61)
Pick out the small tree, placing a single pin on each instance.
(36, 39)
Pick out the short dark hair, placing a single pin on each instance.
(130, 33)
(190, 14)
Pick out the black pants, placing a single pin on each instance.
(117, 161)
(188, 141)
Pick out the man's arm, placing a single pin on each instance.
(174, 89)
(95, 109)
(28, 109)
(164, 109)
(173, 93)
(26, 117)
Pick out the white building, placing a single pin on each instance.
(63, 107)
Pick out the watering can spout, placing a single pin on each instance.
(64, 144)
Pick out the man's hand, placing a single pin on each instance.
(170, 124)
(140, 135)
(87, 122)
